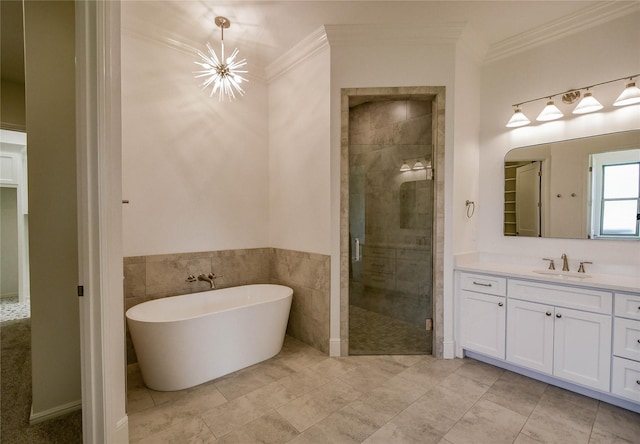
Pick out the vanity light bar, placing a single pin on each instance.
(418, 165)
(588, 104)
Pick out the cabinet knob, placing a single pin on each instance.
(548, 313)
(638, 381)
(558, 315)
(500, 304)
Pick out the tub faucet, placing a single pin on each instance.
(208, 278)
(565, 262)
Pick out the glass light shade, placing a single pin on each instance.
(550, 112)
(588, 104)
(418, 165)
(405, 167)
(629, 96)
(518, 119)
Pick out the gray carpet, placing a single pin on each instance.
(15, 394)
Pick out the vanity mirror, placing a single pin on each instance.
(586, 188)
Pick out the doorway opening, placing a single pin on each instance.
(14, 227)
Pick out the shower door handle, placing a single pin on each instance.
(357, 248)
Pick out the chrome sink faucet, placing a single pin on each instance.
(565, 262)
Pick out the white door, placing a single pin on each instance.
(482, 323)
(530, 335)
(582, 347)
(528, 200)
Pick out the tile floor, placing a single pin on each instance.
(371, 333)
(303, 396)
(11, 308)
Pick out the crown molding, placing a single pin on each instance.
(587, 18)
(307, 47)
(365, 35)
(376, 34)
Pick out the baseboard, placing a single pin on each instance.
(448, 349)
(122, 431)
(9, 295)
(334, 348)
(54, 412)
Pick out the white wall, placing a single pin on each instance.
(195, 170)
(50, 119)
(299, 174)
(596, 55)
(466, 154)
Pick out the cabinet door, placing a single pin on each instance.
(582, 347)
(530, 335)
(482, 323)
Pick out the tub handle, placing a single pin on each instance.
(191, 278)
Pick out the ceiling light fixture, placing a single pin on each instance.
(223, 73)
(588, 104)
(629, 96)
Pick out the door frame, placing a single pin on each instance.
(437, 95)
(99, 175)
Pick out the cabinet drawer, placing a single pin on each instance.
(570, 297)
(628, 305)
(626, 338)
(481, 283)
(625, 381)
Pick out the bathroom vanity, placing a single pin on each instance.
(579, 333)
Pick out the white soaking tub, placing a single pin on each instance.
(183, 341)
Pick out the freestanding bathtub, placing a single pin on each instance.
(183, 341)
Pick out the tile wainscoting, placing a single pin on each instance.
(158, 276)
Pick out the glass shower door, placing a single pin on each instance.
(390, 228)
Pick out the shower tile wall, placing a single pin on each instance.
(394, 276)
(158, 276)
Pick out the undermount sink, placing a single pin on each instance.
(563, 274)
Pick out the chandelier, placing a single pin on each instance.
(223, 75)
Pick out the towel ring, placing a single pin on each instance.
(471, 208)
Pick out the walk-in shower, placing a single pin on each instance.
(391, 221)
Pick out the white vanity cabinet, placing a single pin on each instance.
(626, 347)
(482, 314)
(579, 337)
(554, 338)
